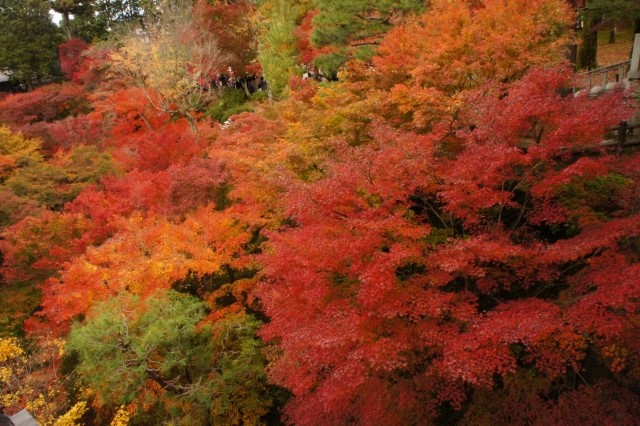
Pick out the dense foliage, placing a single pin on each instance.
(436, 236)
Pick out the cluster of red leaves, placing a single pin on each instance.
(47, 103)
(178, 210)
(447, 271)
(230, 24)
(146, 254)
(63, 134)
(70, 54)
(478, 267)
(308, 51)
(38, 245)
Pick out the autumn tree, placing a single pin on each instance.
(30, 378)
(457, 243)
(14, 150)
(425, 63)
(69, 54)
(455, 269)
(59, 180)
(36, 247)
(231, 25)
(47, 103)
(172, 60)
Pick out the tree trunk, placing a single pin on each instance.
(67, 25)
(612, 34)
(192, 122)
(245, 86)
(588, 50)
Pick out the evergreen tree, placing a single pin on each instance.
(28, 40)
(129, 351)
(278, 53)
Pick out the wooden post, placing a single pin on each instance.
(622, 136)
(635, 58)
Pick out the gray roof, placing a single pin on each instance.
(24, 418)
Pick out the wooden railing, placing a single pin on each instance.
(602, 76)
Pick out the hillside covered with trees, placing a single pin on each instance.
(314, 212)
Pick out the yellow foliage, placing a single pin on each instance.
(71, 417)
(14, 147)
(59, 343)
(121, 418)
(28, 380)
(12, 365)
(43, 408)
(9, 347)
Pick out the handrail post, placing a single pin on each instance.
(635, 59)
(622, 136)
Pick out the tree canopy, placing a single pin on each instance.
(319, 213)
(33, 58)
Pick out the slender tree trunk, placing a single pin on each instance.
(245, 86)
(67, 24)
(192, 122)
(588, 50)
(612, 34)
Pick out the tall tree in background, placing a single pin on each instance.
(71, 7)
(598, 15)
(97, 19)
(28, 40)
(113, 12)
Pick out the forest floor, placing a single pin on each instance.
(613, 53)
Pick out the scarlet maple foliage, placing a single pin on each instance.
(308, 51)
(140, 136)
(91, 70)
(156, 150)
(442, 237)
(127, 110)
(230, 24)
(37, 247)
(47, 103)
(86, 129)
(70, 53)
(454, 269)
